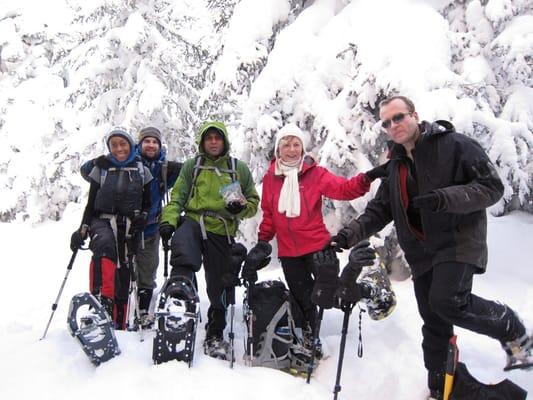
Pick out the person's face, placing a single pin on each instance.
(119, 148)
(213, 143)
(150, 147)
(400, 124)
(290, 149)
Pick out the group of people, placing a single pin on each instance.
(435, 188)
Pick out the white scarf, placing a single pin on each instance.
(289, 197)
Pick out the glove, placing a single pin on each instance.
(378, 172)
(77, 239)
(342, 238)
(165, 231)
(235, 207)
(326, 264)
(432, 201)
(257, 258)
(237, 255)
(138, 222)
(349, 290)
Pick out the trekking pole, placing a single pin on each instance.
(166, 248)
(347, 308)
(54, 306)
(311, 365)
(134, 290)
(231, 334)
(250, 320)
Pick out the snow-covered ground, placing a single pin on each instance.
(34, 261)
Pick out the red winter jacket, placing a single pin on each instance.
(306, 233)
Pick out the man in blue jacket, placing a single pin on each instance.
(165, 174)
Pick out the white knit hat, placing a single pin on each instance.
(290, 130)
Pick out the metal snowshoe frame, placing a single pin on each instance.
(98, 340)
(176, 329)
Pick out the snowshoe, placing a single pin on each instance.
(176, 322)
(217, 347)
(519, 353)
(94, 330)
(379, 298)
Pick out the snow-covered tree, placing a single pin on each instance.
(71, 69)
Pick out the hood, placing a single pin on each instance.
(428, 129)
(122, 132)
(218, 126)
(436, 128)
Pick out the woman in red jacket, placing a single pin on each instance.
(292, 212)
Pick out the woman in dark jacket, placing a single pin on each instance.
(117, 206)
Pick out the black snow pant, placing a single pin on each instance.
(189, 250)
(299, 275)
(444, 297)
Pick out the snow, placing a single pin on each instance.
(70, 69)
(391, 367)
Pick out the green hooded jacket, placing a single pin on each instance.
(205, 193)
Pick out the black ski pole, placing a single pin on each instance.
(165, 262)
(231, 334)
(347, 308)
(311, 365)
(54, 306)
(250, 323)
(132, 244)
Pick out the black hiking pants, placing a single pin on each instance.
(299, 275)
(189, 250)
(444, 297)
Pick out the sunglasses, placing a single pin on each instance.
(396, 118)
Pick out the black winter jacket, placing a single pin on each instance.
(457, 167)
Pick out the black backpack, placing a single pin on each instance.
(466, 387)
(277, 327)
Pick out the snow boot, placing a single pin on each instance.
(308, 344)
(217, 347)
(519, 353)
(435, 385)
(144, 299)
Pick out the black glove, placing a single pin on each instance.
(349, 291)
(326, 264)
(138, 222)
(257, 258)
(342, 238)
(432, 201)
(77, 240)
(235, 207)
(237, 255)
(166, 231)
(378, 172)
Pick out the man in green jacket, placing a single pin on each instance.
(213, 192)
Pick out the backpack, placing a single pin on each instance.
(198, 165)
(277, 323)
(88, 166)
(466, 387)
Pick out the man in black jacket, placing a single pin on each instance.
(439, 184)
